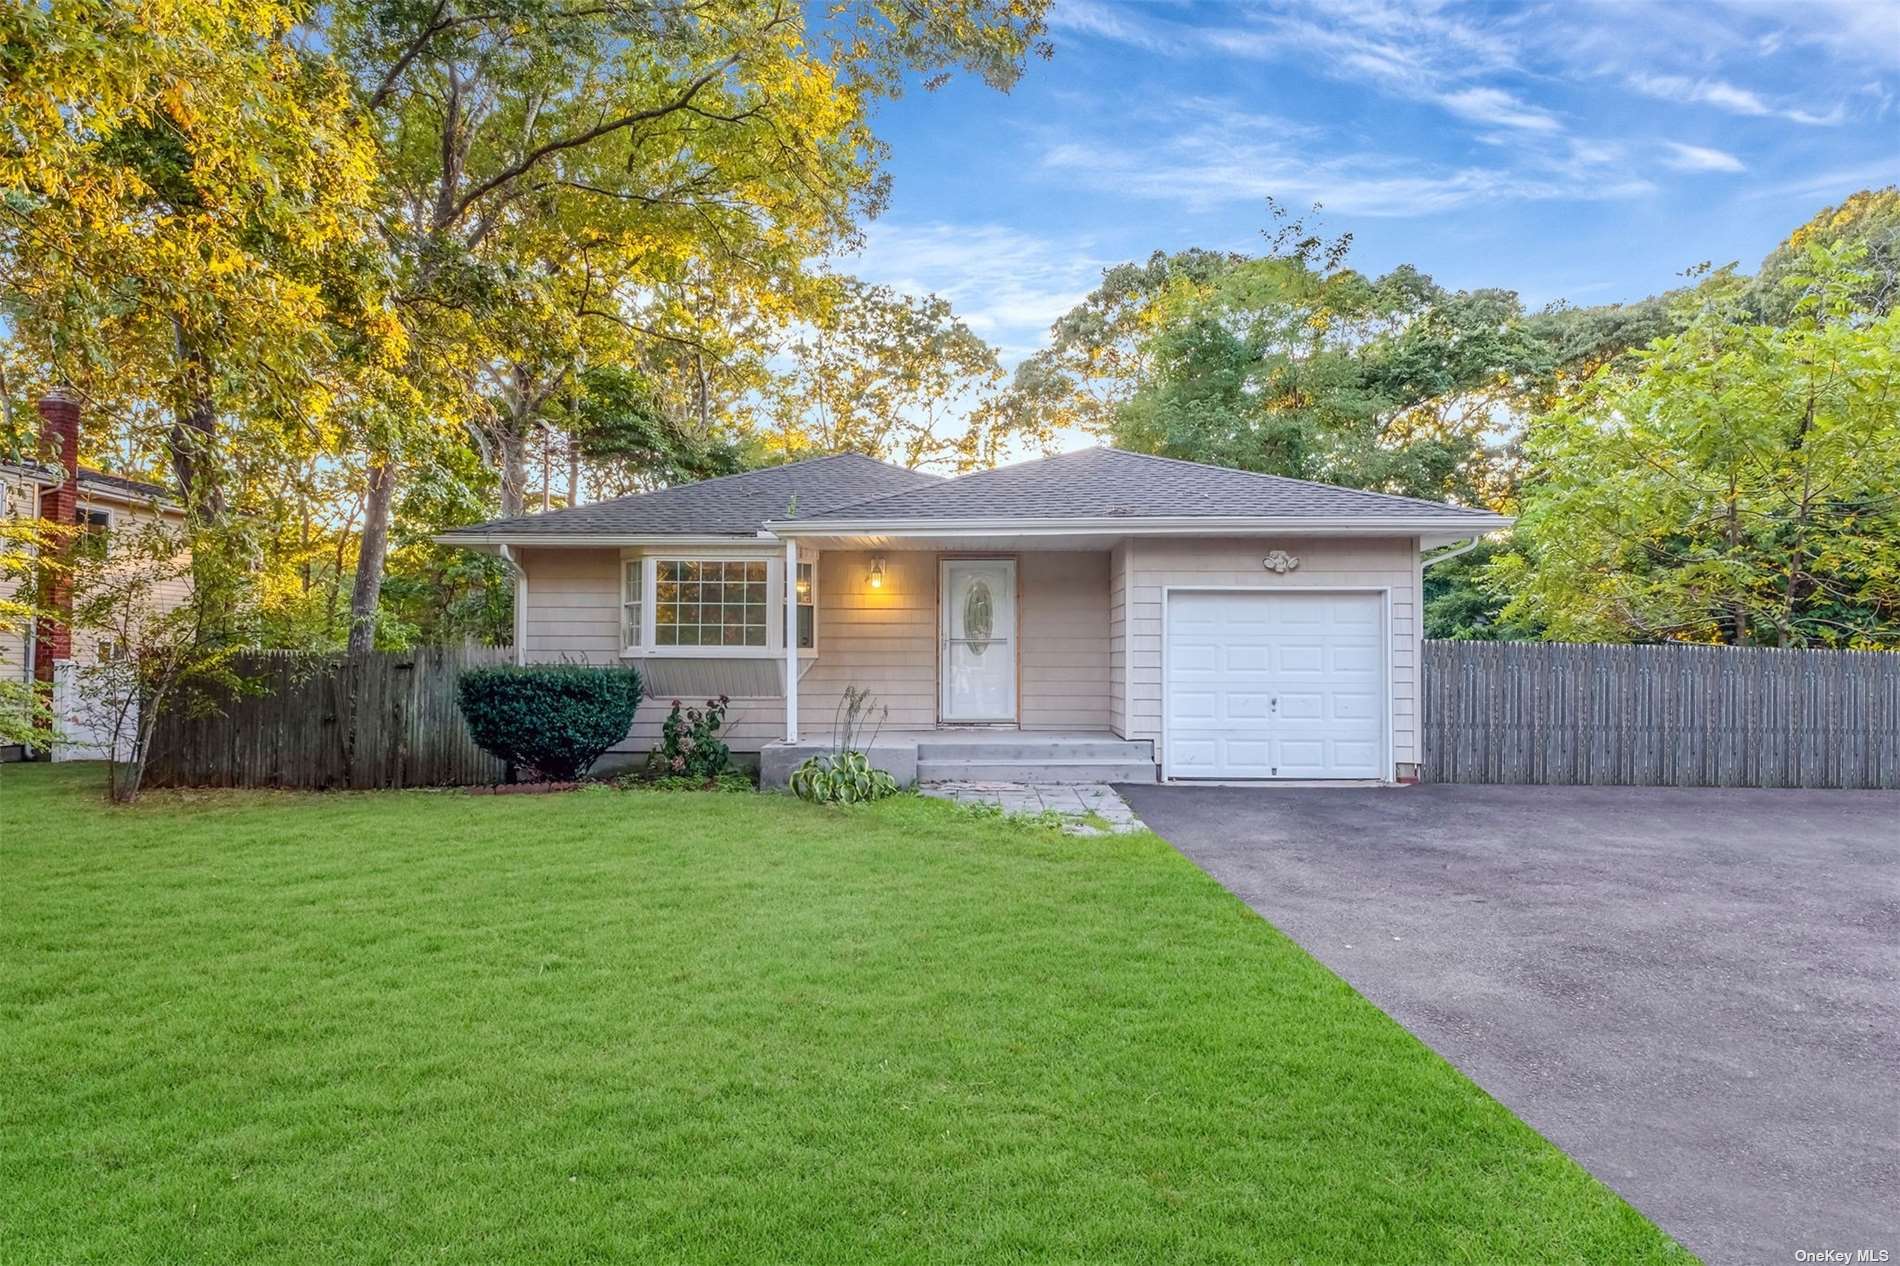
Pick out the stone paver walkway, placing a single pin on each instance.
(1074, 802)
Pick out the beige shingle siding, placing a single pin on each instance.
(574, 615)
(883, 640)
(1064, 621)
(1325, 563)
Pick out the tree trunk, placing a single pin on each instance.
(573, 472)
(367, 595)
(511, 451)
(193, 436)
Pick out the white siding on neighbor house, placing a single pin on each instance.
(1336, 563)
(168, 594)
(1064, 628)
(18, 499)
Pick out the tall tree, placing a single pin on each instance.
(658, 140)
(881, 373)
(1740, 483)
(178, 183)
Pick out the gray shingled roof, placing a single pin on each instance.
(731, 505)
(1107, 482)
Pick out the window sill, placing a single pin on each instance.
(710, 652)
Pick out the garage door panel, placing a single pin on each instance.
(1195, 657)
(1359, 661)
(1196, 753)
(1349, 705)
(1193, 705)
(1275, 685)
(1241, 658)
(1247, 752)
(1301, 706)
(1301, 657)
(1247, 705)
(1355, 753)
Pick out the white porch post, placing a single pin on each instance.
(791, 641)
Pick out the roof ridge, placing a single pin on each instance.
(754, 473)
(1283, 479)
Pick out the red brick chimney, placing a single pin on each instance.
(59, 448)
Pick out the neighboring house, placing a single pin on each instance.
(60, 489)
(1100, 614)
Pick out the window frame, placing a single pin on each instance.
(91, 531)
(810, 601)
(648, 560)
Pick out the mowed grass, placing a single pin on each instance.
(683, 1027)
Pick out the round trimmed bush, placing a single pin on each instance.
(553, 720)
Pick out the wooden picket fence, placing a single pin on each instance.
(1691, 716)
(386, 719)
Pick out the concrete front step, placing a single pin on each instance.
(1035, 770)
(1028, 748)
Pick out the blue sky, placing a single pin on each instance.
(1587, 150)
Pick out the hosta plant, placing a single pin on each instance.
(841, 778)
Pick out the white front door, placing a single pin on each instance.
(978, 631)
(1276, 685)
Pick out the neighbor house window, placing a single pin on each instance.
(95, 533)
(706, 602)
(632, 590)
(807, 606)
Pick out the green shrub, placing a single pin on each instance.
(552, 720)
(690, 746)
(843, 778)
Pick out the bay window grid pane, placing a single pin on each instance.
(710, 603)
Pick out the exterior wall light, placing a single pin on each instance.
(877, 573)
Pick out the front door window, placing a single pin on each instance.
(979, 639)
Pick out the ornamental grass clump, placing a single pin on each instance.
(551, 721)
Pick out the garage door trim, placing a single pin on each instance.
(1384, 594)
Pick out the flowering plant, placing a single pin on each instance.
(690, 746)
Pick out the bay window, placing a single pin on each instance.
(732, 606)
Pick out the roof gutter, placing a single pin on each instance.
(488, 542)
(1436, 559)
(1297, 525)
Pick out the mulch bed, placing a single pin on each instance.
(522, 788)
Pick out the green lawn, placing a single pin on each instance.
(681, 1027)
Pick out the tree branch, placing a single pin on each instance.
(578, 139)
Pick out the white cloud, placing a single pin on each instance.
(1725, 96)
(1202, 165)
(1700, 158)
(1005, 284)
(1495, 106)
(1085, 17)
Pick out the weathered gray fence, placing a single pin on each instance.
(1691, 716)
(386, 719)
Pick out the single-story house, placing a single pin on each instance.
(1095, 615)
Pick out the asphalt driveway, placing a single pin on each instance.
(1695, 993)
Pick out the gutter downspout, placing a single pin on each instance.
(521, 603)
(1436, 559)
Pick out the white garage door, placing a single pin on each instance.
(1275, 685)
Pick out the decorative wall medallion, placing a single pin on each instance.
(1279, 562)
(978, 618)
